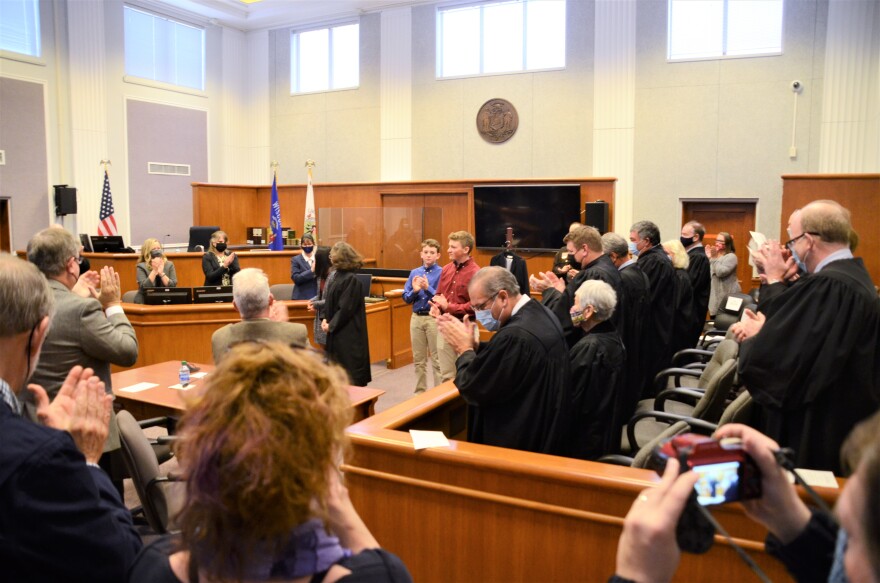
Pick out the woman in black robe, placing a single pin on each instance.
(345, 319)
(597, 372)
(683, 322)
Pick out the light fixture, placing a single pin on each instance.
(249, 1)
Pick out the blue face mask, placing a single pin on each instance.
(307, 250)
(838, 574)
(633, 249)
(797, 259)
(485, 318)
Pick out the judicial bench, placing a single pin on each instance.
(471, 512)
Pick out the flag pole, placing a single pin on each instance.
(310, 221)
(275, 241)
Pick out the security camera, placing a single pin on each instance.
(797, 86)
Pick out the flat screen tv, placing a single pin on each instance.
(538, 213)
(164, 296)
(107, 244)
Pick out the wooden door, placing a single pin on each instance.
(734, 217)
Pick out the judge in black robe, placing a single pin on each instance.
(683, 298)
(517, 384)
(701, 282)
(597, 375)
(814, 367)
(656, 265)
(635, 310)
(346, 316)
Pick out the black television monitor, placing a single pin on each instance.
(538, 213)
(107, 244)
(200, 236)
(86, 242)
(164, 296)
(366, 281)
(213, 294)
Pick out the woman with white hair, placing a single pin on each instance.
(597, 372)
(684, 333)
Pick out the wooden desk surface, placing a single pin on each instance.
(162, 400)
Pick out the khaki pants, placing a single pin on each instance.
(448, 356)
(423, 334)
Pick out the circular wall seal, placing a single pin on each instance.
(497, 121)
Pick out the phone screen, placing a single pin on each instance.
(718, 483)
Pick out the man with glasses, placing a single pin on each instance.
(91, 332)
(585, 254)
(811, 356)
(517, 384)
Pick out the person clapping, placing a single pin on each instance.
(154, 270)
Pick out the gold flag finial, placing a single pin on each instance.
(310, 163)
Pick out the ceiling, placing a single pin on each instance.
(266, 14)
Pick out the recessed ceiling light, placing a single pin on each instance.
(249, 1)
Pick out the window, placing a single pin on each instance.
(164, 50)
(500, 37)
(703, 29)
(20, 26)
(325, 59)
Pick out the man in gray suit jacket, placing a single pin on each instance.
(90, 331)
(262, 318)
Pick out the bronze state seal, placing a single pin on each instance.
(497, 121)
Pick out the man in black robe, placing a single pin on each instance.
(597, 373)
(692, 234)
(811, 356)
(585, 253)
(634, 312)
(657, 266)
(517, 384)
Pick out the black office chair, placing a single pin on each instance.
(200, 237)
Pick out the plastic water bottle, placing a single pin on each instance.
(183, 374)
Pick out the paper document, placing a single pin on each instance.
(426, 439)
(181, 387)
(138, 387)
(821, 478)
(758, 238)
(198, 375)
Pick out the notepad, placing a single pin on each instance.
(138, 387)
(821, 478)
(426, 439)
(198, 375)
(181, 387)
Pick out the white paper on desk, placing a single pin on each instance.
(181, 387)
(198, 375)
(426, 439)
(821, 478)
(138, 387)
(400, 289)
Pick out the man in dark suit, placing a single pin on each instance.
(692, 234)
(60, 517)
(262, 318)
(517, 385)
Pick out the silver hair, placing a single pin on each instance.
(614, 243)
(25, 298)
(598, 294)
(250, 290)
(51, 249)
(647, 230)
(494, 279)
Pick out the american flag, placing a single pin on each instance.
(106, 220)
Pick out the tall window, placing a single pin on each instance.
(704, 29)
(165, 50)
(500, 37)
(325, 59)
(20, 26)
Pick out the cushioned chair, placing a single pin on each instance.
(143, 465)
(728, 316)
(200, 238)
(281, 291)
(128, 297)
(710, 403)
(694, 375)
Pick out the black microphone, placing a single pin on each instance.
(164, 240)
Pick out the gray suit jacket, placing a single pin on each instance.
(81, 334)
(295, 335)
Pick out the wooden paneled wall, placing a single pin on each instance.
(860, 193)
(235, 208)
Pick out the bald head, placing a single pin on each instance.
(827, 220)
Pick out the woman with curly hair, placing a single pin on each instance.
(258, 449)
(345, 315)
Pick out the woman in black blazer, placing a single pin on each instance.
(219, 264)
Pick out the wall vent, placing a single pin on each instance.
(168, 169)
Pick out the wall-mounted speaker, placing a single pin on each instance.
(65, 200)
(596, 215)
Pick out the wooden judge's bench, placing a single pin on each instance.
(472, 512)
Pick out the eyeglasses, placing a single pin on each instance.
(791, 241)
(484, 304)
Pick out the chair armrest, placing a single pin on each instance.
(701, 354)
(686, 395)
(669, 418)
(163, 439)
(663, 376)
(154, 422)
(616, 459)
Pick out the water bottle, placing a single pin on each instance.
(183, 374)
